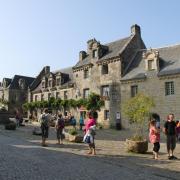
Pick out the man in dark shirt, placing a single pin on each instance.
(170, 131)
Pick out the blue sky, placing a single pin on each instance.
(35, 33)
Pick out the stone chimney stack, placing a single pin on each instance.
(135, 30)
(82, 55)
(47, 69)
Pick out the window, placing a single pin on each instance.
(65, 95)
(50, 83)
(57, 95)
(106, 114)
(150, 64)
(49, 96)
(76, 75)
(42, 97)
(36, 98)
(169, 88)
(94, 53)
(105, 69)
(43, 84)
(105, 91)
(86, 74)
(58, 81)
(134, 90)
(85, 93)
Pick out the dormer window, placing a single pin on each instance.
(50, 83)
(95, 54)
(58, 81)
(150, 64)
(43, 84)
(105, 69)
(151, 58)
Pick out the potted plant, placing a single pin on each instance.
(73, 136)
(137, 110)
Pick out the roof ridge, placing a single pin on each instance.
(117, 40)
(23, 76)
(168, 46)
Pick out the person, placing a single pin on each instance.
(59, 128)
(73, 122)
(90, 125)
(118, 121)
(81, 122)
(154, 137)
(178, 130)
(170, 131)
(17, 117)
(45, 122)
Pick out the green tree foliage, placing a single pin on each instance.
(137, 110)
(94, 102)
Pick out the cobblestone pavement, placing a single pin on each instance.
(22, 158)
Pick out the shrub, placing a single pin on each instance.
(10, 126)
(73, 132)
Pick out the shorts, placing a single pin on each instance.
(156, 147)
(60, 134)
(45, 131)
(171, 142)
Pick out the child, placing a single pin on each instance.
(154, 137)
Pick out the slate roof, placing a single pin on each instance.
(8, 80)
(169, 59)
(114, 49)
(37, 81)
(15, 81)
(67, 70)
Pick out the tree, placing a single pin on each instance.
(137, 110)
(94, 102)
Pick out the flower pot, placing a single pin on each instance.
(75, 138)
(137, 146)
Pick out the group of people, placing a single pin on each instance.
(172, 132)
(89, 130)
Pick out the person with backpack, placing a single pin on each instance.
(44, 121)
(59, 129)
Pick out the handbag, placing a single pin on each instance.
(87, 139)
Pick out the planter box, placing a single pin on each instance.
(137, 146)
(75, 138)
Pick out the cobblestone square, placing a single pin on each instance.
(22, 157)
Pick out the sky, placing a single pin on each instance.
(37, 33)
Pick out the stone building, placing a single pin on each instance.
(155, 72)
(98, 70)
(117, 71)
(15, 92)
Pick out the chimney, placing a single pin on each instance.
(135, 30)
(47, 69)
(82, 55)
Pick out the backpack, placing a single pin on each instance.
(60, 123)
(44, 120)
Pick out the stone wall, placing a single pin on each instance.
(155, 87)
